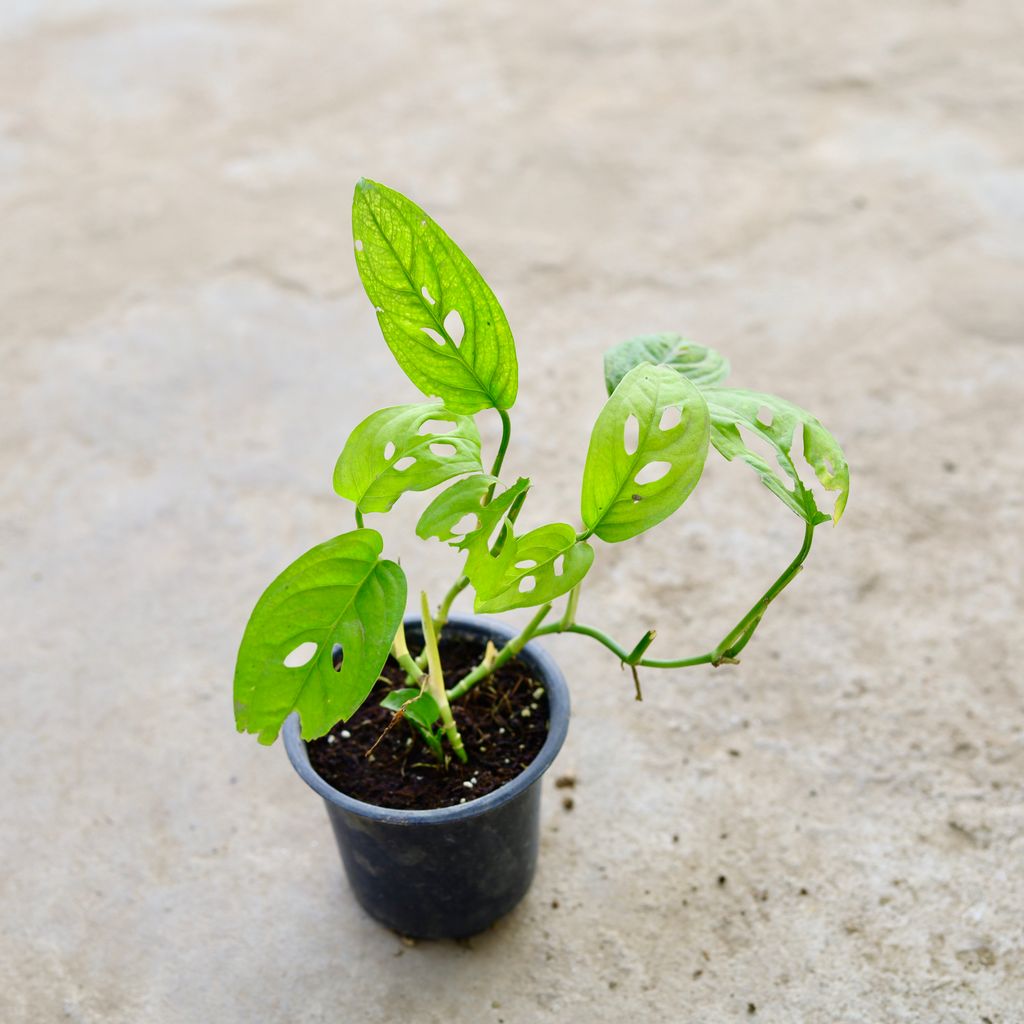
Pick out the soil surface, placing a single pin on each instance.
(503, 722)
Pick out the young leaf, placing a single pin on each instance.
(547, 562)
(386, 455)
(340, 592)
(422, 285)
(464, 497)
(421, 708)
(616, 505)
(488, 551)
(732, 408)
(704, 366)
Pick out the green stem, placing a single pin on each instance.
(731, 644)
(435, 682)
(509, 651)
(359, 518)
(741, 633)
(506, 433)
(400, 652)
(440, 618)
(446, 605)
(620, 652)
(571, 605)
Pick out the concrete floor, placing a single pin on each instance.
(832, 194)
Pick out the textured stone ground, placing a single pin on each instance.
(833, 194)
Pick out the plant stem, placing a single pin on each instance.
(359, 518)
(400, 652)
(731, 644)
(510, 650)
(571, 605)
(440, 618)
(506, 434)
(741, 633)
(446, 605)
(435, 681)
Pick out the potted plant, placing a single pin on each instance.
(427, 736)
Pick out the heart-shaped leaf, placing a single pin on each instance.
(623, 493)
(438, 316)
(546, 563)
(704, 366)
(732, 408)
(387, 455)
(340, 592)
(464, 497)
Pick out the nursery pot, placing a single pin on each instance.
(453, 871)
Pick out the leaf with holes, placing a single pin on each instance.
(340, 592)
(464, 498)
(388, 454)
(632, 483)
(438, 316)
(733, 408)
(704, 366)
(547, 563)
(488, 551)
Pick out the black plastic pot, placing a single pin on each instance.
(450, 872)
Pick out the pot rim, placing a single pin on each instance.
(547, 671)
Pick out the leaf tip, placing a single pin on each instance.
(840, 507)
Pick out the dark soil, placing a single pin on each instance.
(503, 722)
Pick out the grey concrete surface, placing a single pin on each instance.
(832, 194)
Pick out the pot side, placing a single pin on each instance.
(450, 872)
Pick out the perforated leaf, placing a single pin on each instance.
(438, 316)
(386, 454)
(546, 563)
(464, 497)
(340, 592)
(493, 532)
(732, 408)
(704, 366)
(614, 505)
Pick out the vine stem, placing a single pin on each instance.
(571, 605)
(400, 652)
(435, 681)
(506, 434)
(731, 644)
(725, 652)
(509, 651)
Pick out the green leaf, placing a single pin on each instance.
(492, 532)
(464, 497)
(704, 366)
(546, 563)
(340, 592)
(368, 470)
(732, 408)
(421, 284)
(489, 542)
(614, 505)
(421, 708)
